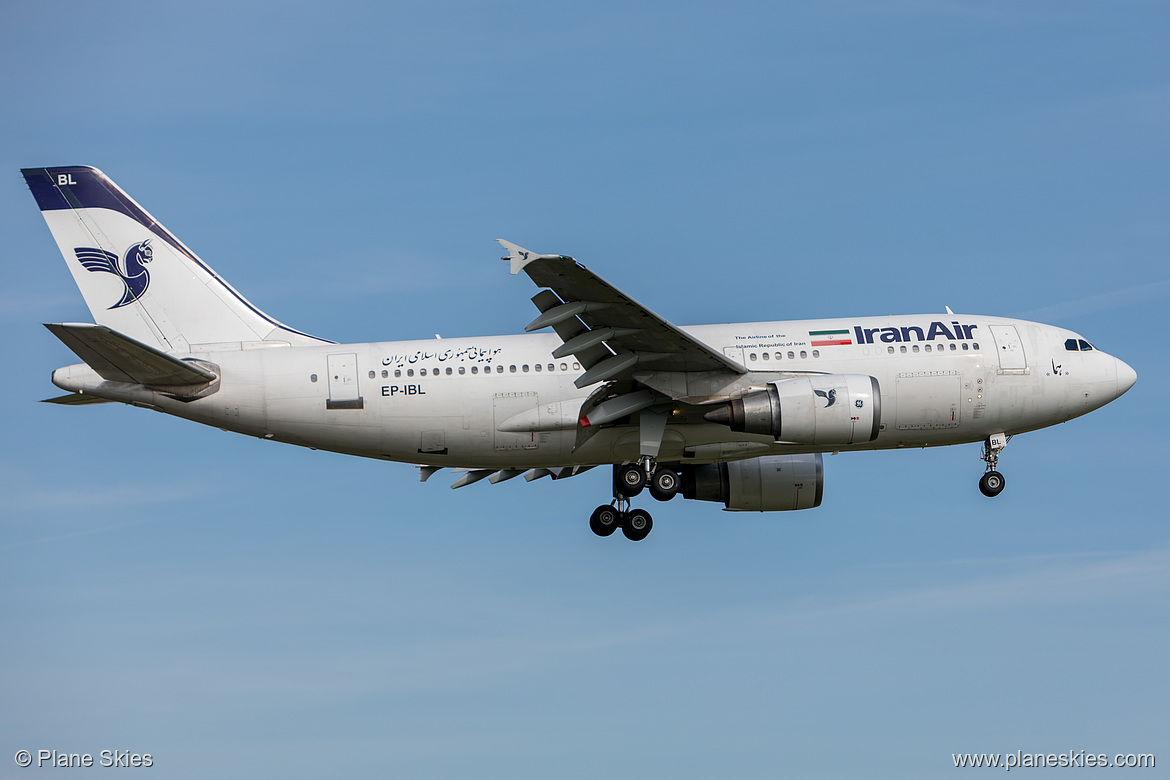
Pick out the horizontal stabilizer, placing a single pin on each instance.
(119, 358)
(76, 399)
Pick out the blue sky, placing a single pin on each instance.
(242, 608)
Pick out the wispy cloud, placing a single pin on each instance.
(1070, 581)
(38, 500)
(472, 660)
(19, 306)
(1002, 13)
(1108, 301)
(41, 499)
(72, 534)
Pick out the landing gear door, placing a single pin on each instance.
(343, 382)
(1009, 347)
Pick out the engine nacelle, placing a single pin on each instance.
(772, 483)
(819, 409)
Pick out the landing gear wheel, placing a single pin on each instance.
(991, 484)
(637, 525)
(605, 520)
(630, 480)
(664, 484)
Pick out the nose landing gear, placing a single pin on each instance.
(991, 484)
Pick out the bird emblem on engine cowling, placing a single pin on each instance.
(828, 395)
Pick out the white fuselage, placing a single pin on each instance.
(500, 402)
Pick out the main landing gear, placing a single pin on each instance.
(992, 482)
(629, 481)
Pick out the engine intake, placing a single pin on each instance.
(820, 409)
(772, 483)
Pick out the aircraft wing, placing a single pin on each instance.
(610, 333)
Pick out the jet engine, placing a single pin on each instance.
(820, 409)
(772, 483)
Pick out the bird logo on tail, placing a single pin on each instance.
(131, 269)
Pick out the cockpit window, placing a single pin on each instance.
(1085, 346)
(1078, 345)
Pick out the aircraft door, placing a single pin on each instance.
(343, 382)
(1008, 346)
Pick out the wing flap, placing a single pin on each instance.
(119, 358)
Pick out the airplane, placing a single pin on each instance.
(738, 414)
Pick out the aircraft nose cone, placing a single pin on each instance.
(1126, 377)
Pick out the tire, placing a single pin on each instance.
(637, 525)
(605, 520)
(991, 484)
(665, 484)
(630, 480)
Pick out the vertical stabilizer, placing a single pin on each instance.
(136, 277)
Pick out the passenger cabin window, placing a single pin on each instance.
(397, 372)
(448, 371)
(475, 369)
(803, 354)
(816, 353)
(538, 367)
(312, 377)
(462, 370)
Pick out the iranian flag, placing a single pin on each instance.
(829, 338)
